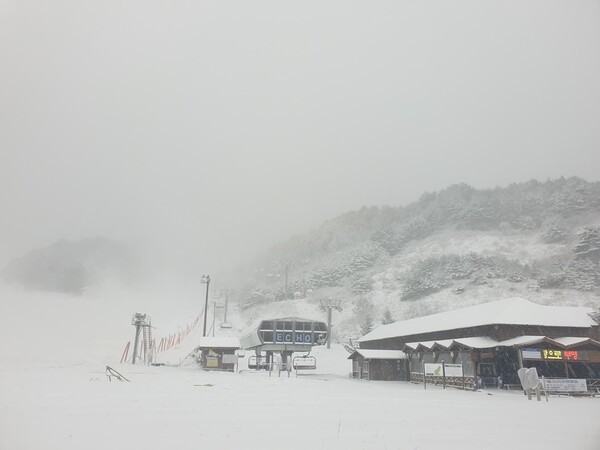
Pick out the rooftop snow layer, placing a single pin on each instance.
(482, 342)
(379, 354)
(570, 341)
(517, 311)
(219, 342)
(477, 342)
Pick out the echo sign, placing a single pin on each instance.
(293, 338)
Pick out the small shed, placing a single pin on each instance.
(372, 364)
(219, 353)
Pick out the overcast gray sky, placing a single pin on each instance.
(218, 128)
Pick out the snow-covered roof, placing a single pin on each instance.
(476, 342)
(290, 319)
(379, 354)
(219, 342)
(426, 344)
(471, 342)
(524, 340)
(512, 311)
(572, 341)
(445, 343)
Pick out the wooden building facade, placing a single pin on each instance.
(490, 342)
(388, 365)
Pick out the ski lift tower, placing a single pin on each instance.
(143, 324)
(328, 305)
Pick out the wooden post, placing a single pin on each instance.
(125, 353)
(443, 374)
(544, 385)
(520, 355)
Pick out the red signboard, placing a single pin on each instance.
(571, 355)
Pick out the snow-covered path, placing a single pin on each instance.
(184, 408)
(54, 394)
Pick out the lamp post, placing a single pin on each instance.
(205, 280)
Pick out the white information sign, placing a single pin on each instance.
(529, 353)
(433, 370)
(454, 370)
(230, 359)
(436, 370)
(565, 385)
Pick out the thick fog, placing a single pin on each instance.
(211, 130)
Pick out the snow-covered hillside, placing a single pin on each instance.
(451, 249)
(388, 280)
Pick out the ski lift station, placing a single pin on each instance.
(218, 353)
(284, 337)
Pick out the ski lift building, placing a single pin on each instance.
(286, 335)
(219, 353)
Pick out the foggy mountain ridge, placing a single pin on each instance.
(461, 240)
(534, 239)
(72, 266)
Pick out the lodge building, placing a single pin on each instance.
(488, 343)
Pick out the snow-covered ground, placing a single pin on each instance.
(55, 395)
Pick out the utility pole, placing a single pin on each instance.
(225, 293)
(215, 306)
(328, 305)
(214, 317)
(205, 280)
(287, 266)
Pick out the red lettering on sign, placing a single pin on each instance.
(571, 355)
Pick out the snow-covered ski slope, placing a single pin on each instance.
(54, 393)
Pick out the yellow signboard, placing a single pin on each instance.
(552, 354)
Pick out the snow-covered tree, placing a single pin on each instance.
(363, 309)
(362, 285)
(388, 239)
(589, 244)
(387, 317)
(554, 231)
(366, 326)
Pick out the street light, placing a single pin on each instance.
(205, 280)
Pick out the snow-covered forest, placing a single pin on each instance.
(539, 240)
